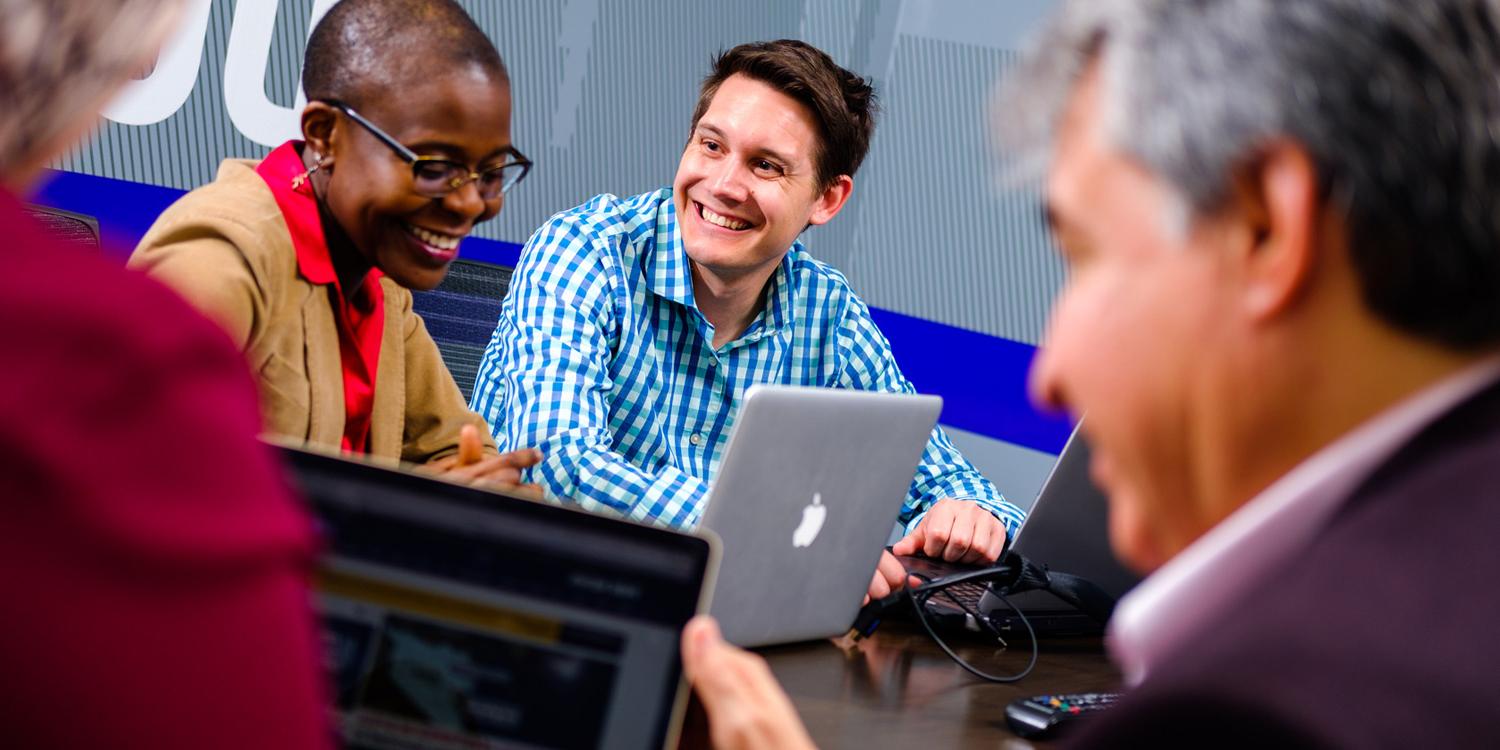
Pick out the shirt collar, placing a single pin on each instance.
(779, 309)
(669, 274)
(1162, 616)
(285, 174)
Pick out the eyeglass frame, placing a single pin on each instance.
(414, 160)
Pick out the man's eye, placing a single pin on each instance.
(711, 147)
(1075, 257)
(767, 167)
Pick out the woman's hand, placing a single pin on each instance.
(498, 472)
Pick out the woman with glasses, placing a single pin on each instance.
(307, 258)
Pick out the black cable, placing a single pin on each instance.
(921, 594)
(947, 593)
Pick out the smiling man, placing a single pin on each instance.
(635, 325)
(1280, 223)
(1281, 315)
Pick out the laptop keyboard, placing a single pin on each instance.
(967, 594)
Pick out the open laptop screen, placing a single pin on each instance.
(458, 618)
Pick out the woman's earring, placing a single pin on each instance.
(302, 179)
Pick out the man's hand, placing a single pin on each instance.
(957, 531)
(502, 472)
(746, 708)
(890, 576)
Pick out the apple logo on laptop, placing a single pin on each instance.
(812, 522)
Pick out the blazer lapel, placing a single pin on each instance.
(388, 413)
(325, 372)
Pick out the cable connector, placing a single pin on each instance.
(871, 614)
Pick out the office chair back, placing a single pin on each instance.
(461, 314)
(66, 225)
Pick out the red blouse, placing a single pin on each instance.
(361, 321)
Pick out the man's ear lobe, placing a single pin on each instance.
(318, 121)
(832, 200)
(1280, 203)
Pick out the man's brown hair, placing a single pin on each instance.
(842, 103)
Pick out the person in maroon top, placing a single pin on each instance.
(152, 563)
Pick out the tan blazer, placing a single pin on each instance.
(226, 248)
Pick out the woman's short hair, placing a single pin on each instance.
(365, 48)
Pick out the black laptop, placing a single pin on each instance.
(459, 618)
(1067, 530)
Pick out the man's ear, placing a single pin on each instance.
(1279, 202)
(319, 123)
(832, 200)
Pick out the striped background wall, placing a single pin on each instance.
(603, 90)
(934, 233)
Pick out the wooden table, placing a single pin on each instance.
(897, 689)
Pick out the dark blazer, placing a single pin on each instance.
(1384, 632)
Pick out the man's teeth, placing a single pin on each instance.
(439, 241)
(723, 221)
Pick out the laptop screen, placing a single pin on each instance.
(457, 618)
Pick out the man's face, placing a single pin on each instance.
(747, 184)
(1139, 338)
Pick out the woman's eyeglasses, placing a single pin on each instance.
(435, 177)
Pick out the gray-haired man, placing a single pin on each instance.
(1283, 318)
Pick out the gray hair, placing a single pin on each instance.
(59, 61)
(1396, 101)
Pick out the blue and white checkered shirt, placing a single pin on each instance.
(602, 360)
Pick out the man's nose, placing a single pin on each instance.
(728, 182)
(1044, 381)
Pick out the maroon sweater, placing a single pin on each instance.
(152, 562)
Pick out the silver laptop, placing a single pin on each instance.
(810, 485)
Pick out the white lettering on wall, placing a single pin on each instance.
(156, 97)
(251, 111)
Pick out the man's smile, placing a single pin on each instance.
(717, 219)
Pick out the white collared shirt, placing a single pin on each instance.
(1163, 615)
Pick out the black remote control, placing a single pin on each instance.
(1043, 717)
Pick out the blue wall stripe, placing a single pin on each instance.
(124, 209)
(498, 252)
(981, 378)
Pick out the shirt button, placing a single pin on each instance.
(695, 438)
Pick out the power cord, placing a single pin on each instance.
(870, 616)
(1011, 574)
(919, 596)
